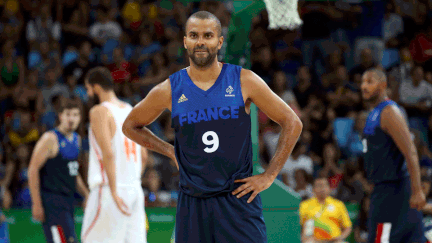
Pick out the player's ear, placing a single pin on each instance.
(184, 42)
(221, 40)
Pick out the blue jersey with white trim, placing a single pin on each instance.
(58, 175)
(212, 133)
(382, 158)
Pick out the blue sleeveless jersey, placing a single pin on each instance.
(212, 133)
(58, 175)
(382, 158)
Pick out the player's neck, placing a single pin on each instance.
(209, 73)
(65, 132)
(108, 96)
(378, 101)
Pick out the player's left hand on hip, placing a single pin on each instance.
(418, 200)
(254, 184)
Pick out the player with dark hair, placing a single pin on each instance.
(54, 176)
(392, 165)
(115, 208)
(210, 104)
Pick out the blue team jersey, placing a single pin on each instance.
(58, 175)
(212, 133)
(382, 158)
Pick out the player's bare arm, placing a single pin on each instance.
(394, 124)
(81, 187)
(41, 153)
(103, 127)
(255, 90)
(146, 112)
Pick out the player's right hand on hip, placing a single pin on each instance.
(38, 213)
(418, 200)
(121, 205)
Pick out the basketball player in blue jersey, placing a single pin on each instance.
(54, 176)
(392, 165)
(210, 104)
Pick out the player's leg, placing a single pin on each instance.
(235, 220)
(136, 230)
(193, 220)
(59, 225)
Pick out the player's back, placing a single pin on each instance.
(382, 158)
(213, 142)
(127, 154)
(58, 175)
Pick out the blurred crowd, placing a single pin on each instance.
(48, 46)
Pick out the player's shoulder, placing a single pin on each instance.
(98, 111)
(48, 137)
(336, 202)
(392, 112)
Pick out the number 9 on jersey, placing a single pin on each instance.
(213, 142)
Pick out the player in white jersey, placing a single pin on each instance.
(115, 207)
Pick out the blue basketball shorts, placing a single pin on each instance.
(223, 218)
(59, 226)
(390, 217)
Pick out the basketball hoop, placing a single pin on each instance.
(283, 14)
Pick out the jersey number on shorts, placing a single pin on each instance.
(130, 148)
(73, 168)
(364, 142)
(214, 142)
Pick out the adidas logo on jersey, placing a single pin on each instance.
(182, 98)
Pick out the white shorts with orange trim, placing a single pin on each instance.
(103, 221)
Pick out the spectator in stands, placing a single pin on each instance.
(393, 27)
(403, 70)
(23, 156)
(369, 35)
(66, 8)
(280, 87)
(12, 71)
(322, 217)
(421, 48)
(44, 57)
(354, 146)
(23, 131)
(105, 28)
(263, 63)
(79, 68)
(304, 88)
(331, 168)
(350, 189)
(7, 170)
(430, 131)
(361, 227)
(303, 184)
(144, 52)
(43, 28)
(297, 160)
(74, 29)
(157, 73)
(366, 62)
(416, 97)
(49, 94)
(316, 32)
(26, 95)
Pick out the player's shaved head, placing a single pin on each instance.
(205, 15)
(378, 74)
